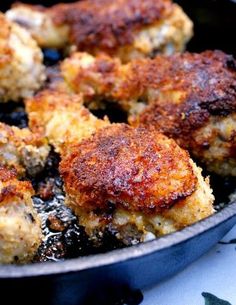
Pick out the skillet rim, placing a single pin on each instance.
(119, 255)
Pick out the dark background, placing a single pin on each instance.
(214, 24)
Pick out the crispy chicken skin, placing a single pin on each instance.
(20, 225)
(190, 97)
(61, 118)
(136, 183)
(21, 68)
(22, 150)
(126, 29)
(211, 138)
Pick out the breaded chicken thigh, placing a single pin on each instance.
(20, 225)
(21, 68)
(126, 29)
(22, 150)
(135, 183)
(61, 118)
(189, 97)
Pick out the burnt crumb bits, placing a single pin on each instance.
(55, 223)
(63, 237)
(46, 189)
(106, 242)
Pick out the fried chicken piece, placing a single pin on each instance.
(21, 68)
(61, 117)
(190, 97)
(126, 29)
(22, 150)
(210, 138)
(20, 225)
(134, 183)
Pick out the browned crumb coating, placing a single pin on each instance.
(20, 225)
(132, 168)
(61, 118)
(191, 97)
(127, 29)
(137, 183)
(23, 150)
(21, 62)
(196, 106)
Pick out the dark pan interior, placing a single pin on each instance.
(214, 27)
(70, 240)
(96, 278)
(210, 33)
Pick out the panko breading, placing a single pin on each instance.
(136, 183)
(119, 177)
(190, 97)
(20, 225)
(22, 150)
(21, 68)
(211, 138)
(125, 29)
(61, 117)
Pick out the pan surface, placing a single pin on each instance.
(97, 278)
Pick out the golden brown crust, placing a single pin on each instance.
(135, 226)
(6, 174)
(4, 36)
(192, 87)
(200, 84)
(11, 188)
(22, 150)
(61, 117)
(21, 68)
(196, 105)
(21, 136)
(195, 130)
(125, 29)
(94, 77)
(20, 225)
(131, 168)
(42, 106)
(189, 97)
(106, 24)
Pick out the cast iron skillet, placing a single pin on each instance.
(99, 279)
